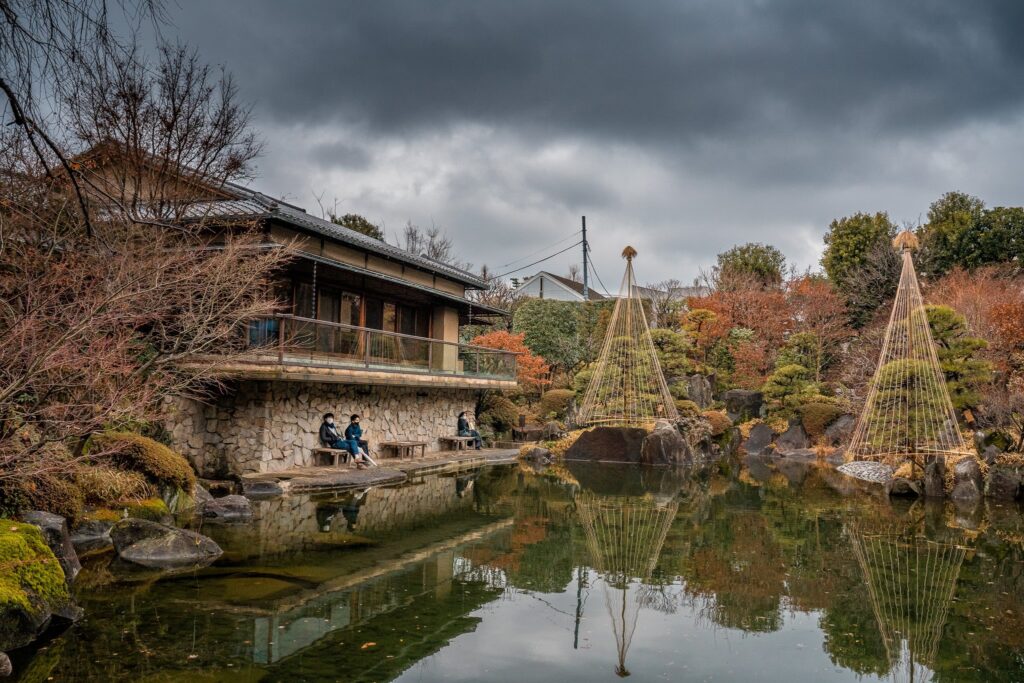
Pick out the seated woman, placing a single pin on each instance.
(356, 444)
(330, 437)
(466, 429)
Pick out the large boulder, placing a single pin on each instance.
(742, 404)
(698, 390)
(901, 487)
(608, 444)
(665, 447)
(537, 455)
(33, 588)
(55, 533)
(759, 440)
(793, 439)
(552, 431)
(934, 483)
(231, 508)
(155, 545)
(967, 481)
(840, 430)
(1005, 481)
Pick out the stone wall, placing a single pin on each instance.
(269, 426)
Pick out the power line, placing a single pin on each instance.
(528, 265)
(597, 275)
(541, 250)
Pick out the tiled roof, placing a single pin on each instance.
(593, 294)
(250, 203)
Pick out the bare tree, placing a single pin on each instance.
(575, 274)
(666, 303)
(432, 243)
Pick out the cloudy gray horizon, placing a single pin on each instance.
(681, 128)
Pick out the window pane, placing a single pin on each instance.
(390, 318)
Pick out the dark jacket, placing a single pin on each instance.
(463, 427)
(353, 432)
(329, 434)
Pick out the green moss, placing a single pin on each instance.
(102, 515)
(46, 492)
(152, 509)
(137, 453)
(687, 408)
(31, 580)
(720, 422)
(816, 417)
(554, 403)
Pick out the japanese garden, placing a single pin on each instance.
(246, 438)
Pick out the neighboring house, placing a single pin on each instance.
(675, 294)
(367, 328)
(545, 285)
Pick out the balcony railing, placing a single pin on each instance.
(318, 343)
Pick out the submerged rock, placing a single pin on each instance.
(55, 533)
(760, 440)
(901, 486)
(92, 535)
(228, 509)
(742, 404)
(665, 447)
(155, 545)
(537, 455)
(260, 489)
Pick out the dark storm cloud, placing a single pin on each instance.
(634, 70)
(681, 127)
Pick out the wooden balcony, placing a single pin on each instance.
(287, 347)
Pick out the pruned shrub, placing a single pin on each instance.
(687, 408)
(817, 416)
(720, 422)
(499, 413)
(158, 463)
(103, 486)
(555, 403)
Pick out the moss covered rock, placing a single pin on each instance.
(32, 585)
(158, 463)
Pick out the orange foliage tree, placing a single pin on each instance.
(532, 372)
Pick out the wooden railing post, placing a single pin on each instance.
(280, 340)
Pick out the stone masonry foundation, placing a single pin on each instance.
(270, 426)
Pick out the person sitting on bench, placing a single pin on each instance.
(466, 429)
(356, 444)
(330, 437)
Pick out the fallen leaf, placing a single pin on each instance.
(366, 645)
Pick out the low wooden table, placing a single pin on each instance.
(402, 449)
(338, 454)
(457, 443)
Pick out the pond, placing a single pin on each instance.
(577, 573)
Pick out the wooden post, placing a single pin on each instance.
(280, 340)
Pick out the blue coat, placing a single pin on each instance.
(353, 432)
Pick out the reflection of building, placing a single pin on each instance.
(625, 535)
(911, 581)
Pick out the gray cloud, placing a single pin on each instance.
(684, 126)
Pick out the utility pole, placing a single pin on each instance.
(586, 280)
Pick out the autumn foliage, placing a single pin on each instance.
(532, 372)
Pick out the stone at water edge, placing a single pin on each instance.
(5, 665)
(759, 441)
(840, 430)
(867, 470)
(793, 439)
(55, 532)
(665, 447)
(899, 486)
(538, 455)
(608, 444)
(91, 535)
(155, 545)
(1005, 482)
(934, 481)
(231, 508)
(967, 481)
(262, 489)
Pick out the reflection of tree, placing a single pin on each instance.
(911, 581)
(625, 535)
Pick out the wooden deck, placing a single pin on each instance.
(389, 471)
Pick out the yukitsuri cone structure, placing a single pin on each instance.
(625, 535)
(908, 415)
(628, 388)
(911, 581)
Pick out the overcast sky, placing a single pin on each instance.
(681, 128)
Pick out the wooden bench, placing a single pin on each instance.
(401, 449)
(338, 454)
(455, 443)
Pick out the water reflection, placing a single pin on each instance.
(772, 573)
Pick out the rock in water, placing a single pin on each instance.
(793, 439)
(55, 531)
(840, 430)
(608, 444)
(665, 447)
(5, 665)
(159, 546)
(760, 440)
(967, 481)
(867, 470)
(233, 508)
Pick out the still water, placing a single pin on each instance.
(578, 573)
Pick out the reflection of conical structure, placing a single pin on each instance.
(911, 581)
(624, 536)
(627, 388)
(908, 415)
